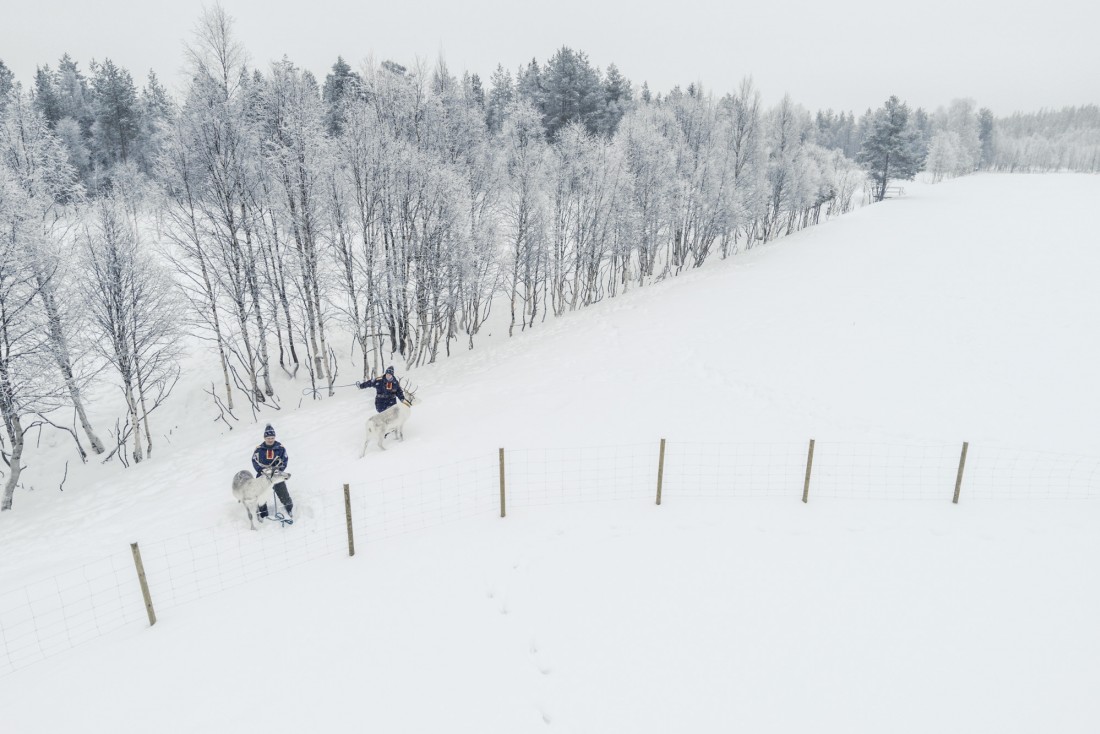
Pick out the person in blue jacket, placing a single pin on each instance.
(272, 454)
(387, 390)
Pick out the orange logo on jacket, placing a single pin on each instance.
(270, 454)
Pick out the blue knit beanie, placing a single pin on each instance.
(269, 431)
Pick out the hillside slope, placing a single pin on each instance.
(963, 311)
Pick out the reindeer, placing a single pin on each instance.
(390, 420)
(250, 490)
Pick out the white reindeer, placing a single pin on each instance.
(390, 420)
(250, 490)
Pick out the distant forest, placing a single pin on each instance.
(272, 215)
(104, 118)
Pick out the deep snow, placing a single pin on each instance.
(965, 311)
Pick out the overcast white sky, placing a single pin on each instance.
(846, 54)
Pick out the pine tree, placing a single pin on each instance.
(63, 99)
(529, 84)
(572, 92)
(394, 68)
(157, 110)
(921, 123)
(69, 132)
(501, 96)
(475, 91)
(985, 135)
(46, 99)
(848, 136)
(73, 95)
(892, 147)
(825, 124)
(7, 84)
(341, 84)
(837, 132)
(617, 98)
(116, 113)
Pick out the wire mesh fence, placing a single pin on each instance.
(884, 471)
(553, 476)
(50, 616)
(387, 507)
(187, 567)
(54, 615)
(997, 473)
(733, 470)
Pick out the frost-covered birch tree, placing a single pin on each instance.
(216, 127)
(361, 162)
(298, 159)
(745, 140)
(131, 305)
(183, 178)
(525, 210)
(961, 119)
(645, 135)
(37, 163)
(460, 140)
(943, 155)
(787, 123)
(28, 386)
(704, 178)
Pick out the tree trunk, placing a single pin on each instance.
(14, 428)
(16, 468)
(222, 357)
(64, 362)
(257, 307)
(141, 397)
(135, 419)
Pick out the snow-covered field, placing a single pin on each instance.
(965, 311)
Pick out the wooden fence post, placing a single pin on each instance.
(809, 467)
(502, 482)
(347, 513)
(144, 584)
(959, 478)
(660, 471)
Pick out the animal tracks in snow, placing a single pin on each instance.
(497, 594)
(540, 661)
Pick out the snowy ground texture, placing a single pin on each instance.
(965, 311)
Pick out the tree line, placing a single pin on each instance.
(1049, 140)
(275, 216)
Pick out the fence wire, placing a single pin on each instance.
(547, 476)
(54, 615)
(884, 471)
(386, 507)
(994, 473)
(194, 565)
(733, 470)
(50, 616)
